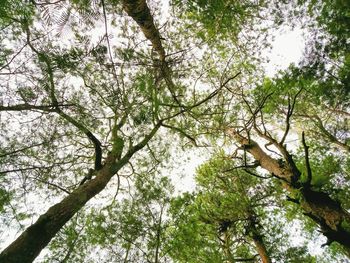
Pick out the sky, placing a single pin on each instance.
(287, 48)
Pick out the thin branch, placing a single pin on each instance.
(257, 175)
(25, 169)
(329, 135)
(108, 42)
(22, 149)
(253, 165)
(181, 132)
(210, 96)
(26, 106)
(134, 148)
(246, 259)
(51, 184)
(307, 161)
(14, 56)
(71, 247)
(44, 58)
(289, 114)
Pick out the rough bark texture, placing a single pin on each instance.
(319, 206)
(29, 244)
(139, 11)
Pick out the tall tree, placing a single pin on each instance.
(124, 109)
(223, 217)
(90, 89)
(319, 205)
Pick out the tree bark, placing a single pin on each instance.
(258, 239)
(317, 205)
(36, 237)
(159, 232)
(261, 248)
(139, 11)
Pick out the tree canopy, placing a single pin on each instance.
(100, 101)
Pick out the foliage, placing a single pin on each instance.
(86, 99)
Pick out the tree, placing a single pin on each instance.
(125, 109)
(317, 91)
(317, 204)
(91, 92)
(132, 229)
(219, 222)
(231, 201)
(229, 218)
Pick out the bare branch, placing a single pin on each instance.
(25, 107)
(289, 115)
(307, 161)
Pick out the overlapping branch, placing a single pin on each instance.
(56, 106)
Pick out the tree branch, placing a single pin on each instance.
(44, 58)
(26, 106)
(181, 132)
(289, 115)
(140, 13)
(307, 161)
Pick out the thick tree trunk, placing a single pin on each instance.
(319, 206)
(139, 11)
(30, 243)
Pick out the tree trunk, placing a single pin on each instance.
(159, 232)
(36, 237)
(139, 11)
(261, 248)
(258, 239)
(319, 206)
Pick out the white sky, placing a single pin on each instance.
(287, 48)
